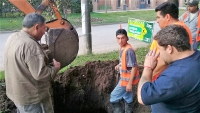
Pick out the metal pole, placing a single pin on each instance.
(86, 26)
(106, 6)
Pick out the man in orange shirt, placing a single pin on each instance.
(166, 14)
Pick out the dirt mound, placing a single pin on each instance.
(85, 89)
(6, 105)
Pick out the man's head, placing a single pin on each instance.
(171, 40)
(192, 6)
(34, 25)
(165, 13)
(121, 36)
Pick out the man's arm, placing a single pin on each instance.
(39, 69)
(146, 77)
(131, 63)
(149, 64)
(130, 82)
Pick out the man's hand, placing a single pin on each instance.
(56, 65)
(151, 59)
(129, 87)
(117, 67)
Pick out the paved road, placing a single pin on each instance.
(103, 39)
(3, 38)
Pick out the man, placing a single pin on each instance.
(190, 18)
(129, 75)
(166, 14)
(177, 90)
(27, 70)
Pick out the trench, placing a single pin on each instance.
(82, 89)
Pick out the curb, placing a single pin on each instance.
(2, 32)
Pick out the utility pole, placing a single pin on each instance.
(86, 26)
(106, 6)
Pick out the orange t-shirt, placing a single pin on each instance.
(162, 66)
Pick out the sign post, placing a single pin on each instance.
(140, 30)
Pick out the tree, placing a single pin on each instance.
(63, 5)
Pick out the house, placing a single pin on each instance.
(115, 5)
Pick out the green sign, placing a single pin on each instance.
(140, 30)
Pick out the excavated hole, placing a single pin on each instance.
(82, 89)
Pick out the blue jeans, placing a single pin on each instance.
(45, 106)
(120, 92)
(33, 108)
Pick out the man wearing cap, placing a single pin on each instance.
(190, 18)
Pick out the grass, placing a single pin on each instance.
(96, 19)
(7, 24)
(81, 60)
(2, 75)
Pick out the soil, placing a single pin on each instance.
(82, 89)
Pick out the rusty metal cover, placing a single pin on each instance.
(63, 44)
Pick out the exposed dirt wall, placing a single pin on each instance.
(82, 89)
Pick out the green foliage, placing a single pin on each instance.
(2, 75)
(6, 7)
(35, 3)
(76, 6)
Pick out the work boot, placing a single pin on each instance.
(117, 107)
(128, 107)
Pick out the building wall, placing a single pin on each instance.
(158, 2)
(131, 4)
(102, 3)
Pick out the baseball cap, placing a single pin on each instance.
(192, 2)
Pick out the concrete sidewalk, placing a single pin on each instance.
(103, 40)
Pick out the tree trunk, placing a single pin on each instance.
(174, 1)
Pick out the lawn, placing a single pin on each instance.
(96, 19)
(81, 60)
(2, 75)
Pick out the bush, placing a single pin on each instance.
(76, 6)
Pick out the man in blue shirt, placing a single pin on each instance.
(177, 89)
